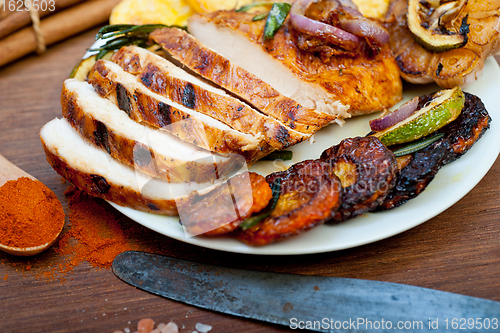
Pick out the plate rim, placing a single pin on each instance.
(491, 69)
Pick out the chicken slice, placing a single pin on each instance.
(150, 151)
(142, 105)
(229, 75)
(172, 82)
(94, 171)
(363, 83)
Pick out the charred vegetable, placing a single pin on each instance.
(432, 23)
(309, 195)
(444, 107)
(335, 28)
(417, 169)
(455, 67)
(223, 209)
(367, 171)
(416, 173)
(469, 127)
(82, 69)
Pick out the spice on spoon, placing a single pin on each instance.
(31, 216)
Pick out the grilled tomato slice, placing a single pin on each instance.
(310, 192)
(367, 170)
(222, 210)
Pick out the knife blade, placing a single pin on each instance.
(323, 304)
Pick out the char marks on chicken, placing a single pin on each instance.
(170, 81)
(231, 76)
(152, 152)
(95, 172)
(145, 106)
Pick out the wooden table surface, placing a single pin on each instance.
(457, 251)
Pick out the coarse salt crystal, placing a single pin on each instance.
(171, 327)
(202, 328)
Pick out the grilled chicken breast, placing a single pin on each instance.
(172, 82)
(229, 75)
(150, 151)
(143, 105)
(364, 84)
(94, 171)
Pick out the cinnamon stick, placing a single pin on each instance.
(56, 28)
(17, 20)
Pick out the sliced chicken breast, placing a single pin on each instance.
(150, 151)
(364, 83)
(142, 105)
(94, 171)
(170, 81)
(235, 78)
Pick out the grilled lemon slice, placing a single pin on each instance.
(169, 12)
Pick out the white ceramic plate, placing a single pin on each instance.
(451, 183)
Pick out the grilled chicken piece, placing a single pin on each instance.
(143, 105)
(230, 76)
(364, 84)
(166, 79)
(150, 151)
(92, 170)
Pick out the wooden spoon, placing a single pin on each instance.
(9, 171)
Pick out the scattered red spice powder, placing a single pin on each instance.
(96, 234)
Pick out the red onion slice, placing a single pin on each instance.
(395, 117)
(317, 28)
(357, 24)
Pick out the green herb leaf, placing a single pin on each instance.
(284, 155)
(253, 5)
(275, 19)
(260, 16)
(253, 220)
(112, 28)
(119, 35)
(417, 145)
(101, 54)
(74, 70)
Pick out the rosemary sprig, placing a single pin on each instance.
(118, 35)
(417, 145)
(284, 155)
(253, 5)
(253, 220)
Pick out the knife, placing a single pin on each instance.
(324, 304)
